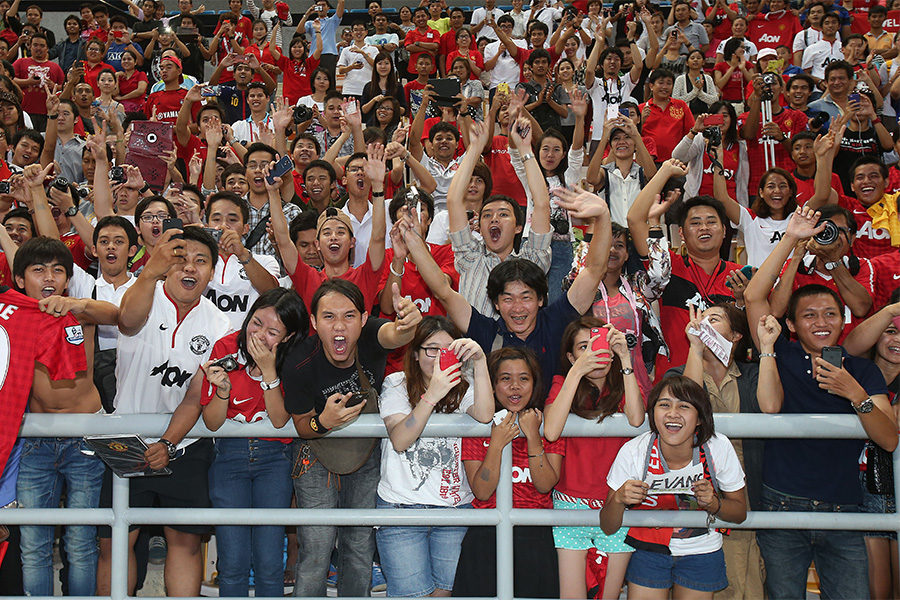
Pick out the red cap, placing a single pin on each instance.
(173, 59)
(282, 10)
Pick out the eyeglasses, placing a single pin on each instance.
(355, 169)
(252, 166)
(152, 218)
(430, 351)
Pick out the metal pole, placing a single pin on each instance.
(120, 551)
(504, 528)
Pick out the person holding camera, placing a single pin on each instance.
(693, 35)
(785, 123)
(816, 475)
(241, 384)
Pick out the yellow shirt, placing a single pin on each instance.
(442, 25)
(882, 42)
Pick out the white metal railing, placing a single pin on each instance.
(504, 517)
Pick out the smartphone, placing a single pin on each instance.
(612, 112)
(854, 97)
(176, 186)
(747, 272)
(601, 343)
(349, 108)
(714, 120)
(173, 224)
(242, 58)
(447, 358)
(281, 168)
(215, 233)
(833, 355)
(356, 399)
(503, 88)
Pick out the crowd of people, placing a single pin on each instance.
(527, 215)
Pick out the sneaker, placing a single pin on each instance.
(157, 555)
(332, 576)
(378, 582)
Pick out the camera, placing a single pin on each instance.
(5, 187)
(302, 114)
(559, 225)
(818, 121)
(215, 233)
(829, 235)
(770, 79)
(228, 364)
(82, 191)
(713, 136)
(117, 175)
(61, 183)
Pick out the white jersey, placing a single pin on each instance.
(230, 289)
(82, 285)
(155, 365)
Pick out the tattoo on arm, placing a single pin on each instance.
(485, 474)
(410, 422)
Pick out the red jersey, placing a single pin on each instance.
(412, 286)
(413, 86)
(447, 44)
(734, 89)
(524, 493)
(295, 75)
(497, 159)
(431, 36)
(886, 269)
(790, 121)
(869, 242)
(225, 48)
(246, 403)
(307, 280)
(473, 54)
(731, 158)
(130, 84)
(264, 56)
(771, 30)
(27, 336)
(587, 460)
(431, 122)
(166, 103)
(667, 126)
(806, 187)
(79, 251)
(194, 144)
(34, 99)
(688, 285)
(6, 278)
(90, 76)
(722, 31)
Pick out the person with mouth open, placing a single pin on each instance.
(167, 330)
(336, 237)
(329, 379)
(516, 287)
(816, 475)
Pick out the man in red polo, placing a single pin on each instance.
(666, 119)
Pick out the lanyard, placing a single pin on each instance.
(632, 302)
(704, 291)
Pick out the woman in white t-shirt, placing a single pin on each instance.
(421, 472)
(650, 472)
(764, 224)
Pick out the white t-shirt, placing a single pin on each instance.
(356, 80)
(81, 285)
(809, 36)
(761, 235)
(155, 365)
(479, 15)
(630, 464)
(230, 289)
(507, 69)
(362, 231)
(749, 48)
(431, 470)
(819, 55)
(308, 101)
(605, 92)
(439, 231)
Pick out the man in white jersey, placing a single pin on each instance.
(166, 331)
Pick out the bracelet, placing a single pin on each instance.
(391, 267)
(52, 116)
(226, 398)
(712, 514)
(767, 355)
(145, 189)
(246, 262)
(316, 425)
(378, 194)
(627, 371)
(876, 121)
(408, 154)
(527, 156)
(427, 401)
(270, 385)
(541, 456)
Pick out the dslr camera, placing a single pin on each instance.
(117, 175)
(828, 236)
(302, 114)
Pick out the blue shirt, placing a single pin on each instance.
(545, 339)
(824, 470)
(114, 54)
(329, 35)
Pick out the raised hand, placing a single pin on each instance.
(803, 223)
(767, 330)
(579, 102)
(375, 165)
(581, 203)
(408, 315)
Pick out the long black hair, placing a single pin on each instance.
(290, 310)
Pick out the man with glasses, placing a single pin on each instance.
(256, 161)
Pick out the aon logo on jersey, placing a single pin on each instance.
(171, 375)
(767, 38)
(227, 303)
(520, 475)
(867, 231)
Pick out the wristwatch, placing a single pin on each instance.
(270, 385)
(831, 266)
(173, 449)
(71, 211)
(865, 406)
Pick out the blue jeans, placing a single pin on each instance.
(416, 560)
(319, 488)
(560, 265)
(48, 465)
(840, 556)
(250, 473)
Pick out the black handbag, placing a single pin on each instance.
(879, 469)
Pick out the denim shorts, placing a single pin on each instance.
(584, 538)
(701, 572)
(417, 560)
(879, 504)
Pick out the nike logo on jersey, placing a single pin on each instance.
(162, 327)
(242, 401)
(896, 277)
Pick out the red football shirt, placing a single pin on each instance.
(497, 159)
(886, 269)
(806, 188)
(791, 122)
(264, 56)
(307, 280)
(771, 30)
(730, 160)
(524, 493)
(27, 336)
(667, 126)
(295, 75)
(34, 99)
(454, 54)
(166, 103)
(76, 246)
(91, 74)
(869, 242)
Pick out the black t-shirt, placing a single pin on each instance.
(309, 378)
(193, 63)
(855, 144)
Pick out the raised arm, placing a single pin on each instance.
(134, 309)
(375, 170)
(583, 290)
(720, 189)
(456, 210)
(280, 227)
(639, 213)
(521, 135)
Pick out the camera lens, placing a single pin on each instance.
(829, 235)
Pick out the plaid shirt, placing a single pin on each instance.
(265, 245)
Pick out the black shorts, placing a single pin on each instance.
(186, 487)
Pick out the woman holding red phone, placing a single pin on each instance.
(597, 381)
(419, 472)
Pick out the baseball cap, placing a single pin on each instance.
(173, 59)
(332, 213)
(766, 53)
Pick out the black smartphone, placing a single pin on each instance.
(281, 168)
(355, 399)
(173, 224)
(833, 355)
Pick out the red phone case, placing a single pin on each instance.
(599, 344)
(447, 358)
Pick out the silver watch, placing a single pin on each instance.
(831, 266)
(865, 406)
